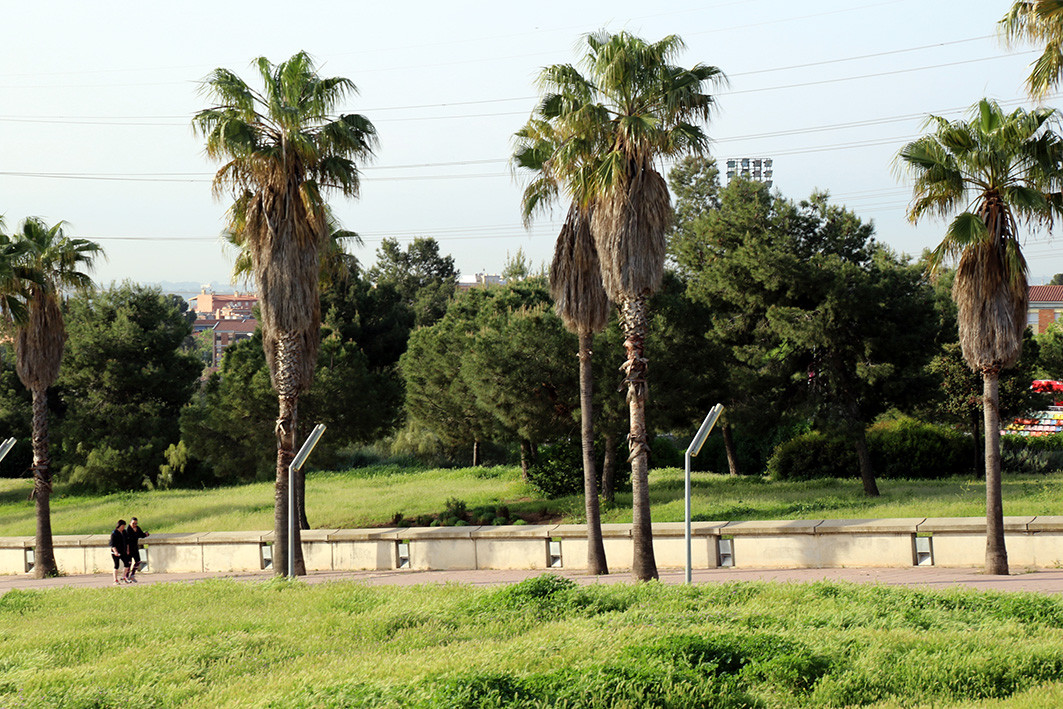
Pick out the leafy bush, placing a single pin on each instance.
(666, 453)
(558, 471)
(1049, 443)
(812, 455)
(899, 448)
(907, 448)
(107, 469)
(754, 446)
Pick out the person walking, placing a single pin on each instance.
(133, 535)
(120, 550)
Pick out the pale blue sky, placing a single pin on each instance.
(106, 90)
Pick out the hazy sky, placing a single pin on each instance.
(97, 100)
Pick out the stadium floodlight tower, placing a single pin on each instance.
(296, 464)
(692, 450)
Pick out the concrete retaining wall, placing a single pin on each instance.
(1032, 542)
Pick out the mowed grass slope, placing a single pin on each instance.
(542, 643)
(372, 496)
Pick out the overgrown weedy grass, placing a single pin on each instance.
(546, 642)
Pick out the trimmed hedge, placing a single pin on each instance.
(900, 448)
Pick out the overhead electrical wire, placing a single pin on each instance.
(173, 120)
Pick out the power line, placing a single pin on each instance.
(875, 75)
(180, 120)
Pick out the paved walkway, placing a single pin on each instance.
(1042, 581)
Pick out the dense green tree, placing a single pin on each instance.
(1050, 353)
(437, 397)
(695, 183)
(863, 329)
(425, 279)
(124, 382)
(689, 365)
(1057, 280)
(959, 392)
(226, 424)
(735, 258)
(806, 307)
(995, 169)
(517, 365)
(283, 149)
(494, 368)
(518, 267)
(356, 393)
(47, 262)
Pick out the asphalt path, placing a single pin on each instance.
(1037, 581)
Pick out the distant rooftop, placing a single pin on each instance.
(1046, 294)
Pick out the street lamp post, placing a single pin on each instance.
(6, 447)
(296, 464)
(692, 450)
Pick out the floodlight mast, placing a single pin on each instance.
(296, 464)
(692, 450)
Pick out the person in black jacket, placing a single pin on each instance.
(133, 535)
(120, 550)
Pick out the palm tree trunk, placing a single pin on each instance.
(596, 563)
(609, 469)
(44, 554)
(286, 381)
(996, 556)
(635, 323)
(729, 447)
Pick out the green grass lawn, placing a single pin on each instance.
(542, 643)
(372, 496)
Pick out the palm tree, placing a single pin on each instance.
(47, 262)
(283, 149)
(998, 169)
(336, 266)
(578, 293)
(632, 110)
(1036, 22)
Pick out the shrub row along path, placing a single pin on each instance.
(1041, 581)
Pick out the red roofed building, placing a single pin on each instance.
(223, 307)
(1046, 307)
(229, 332)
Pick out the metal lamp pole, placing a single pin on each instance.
(296, 464)
(6, 447)
(692, 450)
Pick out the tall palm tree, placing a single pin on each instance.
(336, 266)
(48, 262)
(614, 126)
(1037, 22)
(995, 169)
(283, 148)
(579, 296)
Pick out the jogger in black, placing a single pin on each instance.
(120, 550)
(133, 535)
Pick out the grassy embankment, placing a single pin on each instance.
(542, 643)
(372, 496)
